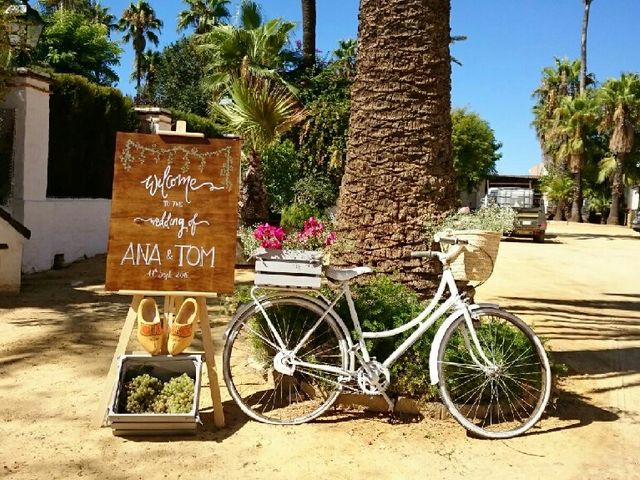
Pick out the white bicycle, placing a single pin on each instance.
(288, 355)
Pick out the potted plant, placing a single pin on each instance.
(289, 260)
(481, 232)
(156, 395)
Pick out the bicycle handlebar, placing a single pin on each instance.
(450, 240)
(424, 254)
(445, 258)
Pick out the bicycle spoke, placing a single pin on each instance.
(470, 366)
(299, 394)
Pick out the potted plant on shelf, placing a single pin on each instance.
(289, 260)
(481, 231)
(156, 395)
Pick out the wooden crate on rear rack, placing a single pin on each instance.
(288, 268)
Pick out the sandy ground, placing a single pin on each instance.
(580, 290)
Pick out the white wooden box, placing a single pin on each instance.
(163, 367)
(288, 268)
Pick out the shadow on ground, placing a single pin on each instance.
(615, 319)
(72, 315)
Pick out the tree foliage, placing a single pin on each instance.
(149, 64)
(253, 44)
(564, 119)
(179, 78)
(139, 24)
(475, 148)
(92, 10)
(323, 136)
(71, 43)
(558, 81)
(260, 109)
(619, 99)
(203, 15)
(6, 66)
(574, 123)
(558, 186)
(620, 116)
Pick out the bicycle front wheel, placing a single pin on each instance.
(500, 400)
(266, 379)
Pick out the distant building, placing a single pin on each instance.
(538, 170)
(474, 199)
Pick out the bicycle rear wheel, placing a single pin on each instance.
(499, 402)
(265, 380)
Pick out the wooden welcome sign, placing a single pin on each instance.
(173, 214)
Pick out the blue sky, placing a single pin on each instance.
(509, 42)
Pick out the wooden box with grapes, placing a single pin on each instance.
(156, 395)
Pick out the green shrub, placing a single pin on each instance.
(84, 118)
(281, 171)
(315, 190)
(383, 304)
(294, 215)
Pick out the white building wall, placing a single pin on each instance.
(634, 197)
(10, 258)
(74, 228)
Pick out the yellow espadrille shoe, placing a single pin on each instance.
(151, 331)
(183, 327)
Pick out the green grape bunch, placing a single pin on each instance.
(176, 396)
(141, 392)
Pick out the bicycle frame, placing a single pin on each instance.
(421, 323)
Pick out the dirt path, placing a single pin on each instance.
(580, 290)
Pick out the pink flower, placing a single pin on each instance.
(330, 240)
(312, 237)
(312, 228)
(269, 236)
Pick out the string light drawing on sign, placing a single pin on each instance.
(135, 152)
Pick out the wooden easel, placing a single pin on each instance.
(166, 179)
(172, 301)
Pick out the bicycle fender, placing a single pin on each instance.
(437, 339)
(248, 305)
(435, 347)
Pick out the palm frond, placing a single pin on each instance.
(259, 109)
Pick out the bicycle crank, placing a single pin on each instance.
(373, 378)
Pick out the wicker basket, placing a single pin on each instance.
(476, 262)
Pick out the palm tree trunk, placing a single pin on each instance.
(560, 211)
(399, 172)
(583, 46)
(309, 32)
(616, 191)
(254, 206)
(576, 205)
(138, 74)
